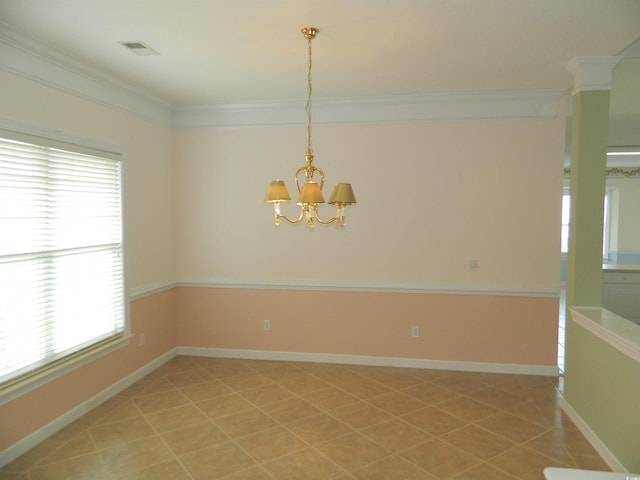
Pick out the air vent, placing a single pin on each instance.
(139, 48)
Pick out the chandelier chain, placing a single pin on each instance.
(308, 107)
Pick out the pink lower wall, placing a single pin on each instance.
(512, 330)
(467, 328)
(153, 315)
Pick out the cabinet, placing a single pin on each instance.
(621, 291)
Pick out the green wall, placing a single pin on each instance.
(604, 389)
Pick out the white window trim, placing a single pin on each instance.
(41, 377)
(23, 385)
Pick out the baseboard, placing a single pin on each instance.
(370, 361)
(593, 439)
(27, 443)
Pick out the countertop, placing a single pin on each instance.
(612, 267)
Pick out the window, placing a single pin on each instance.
(606, 229)
(566, 211)
(61, 262)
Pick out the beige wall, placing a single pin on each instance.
(37, 408)
(147, 148)
(149, 243)
(431, 197)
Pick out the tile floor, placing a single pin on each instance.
(206, 418)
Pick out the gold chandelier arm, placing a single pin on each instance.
(280, 216)
(328, 222)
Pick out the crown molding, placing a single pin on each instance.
(375, 110)
(31, 59)
(592, 73)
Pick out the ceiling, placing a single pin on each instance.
(235, 51)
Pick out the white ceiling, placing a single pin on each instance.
(234, 51)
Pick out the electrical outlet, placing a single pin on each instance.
(415, 331)
(142, 339)
(473, 265)
(266, 325)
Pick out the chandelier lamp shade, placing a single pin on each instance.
(310, 193)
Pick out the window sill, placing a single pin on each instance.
(24, 385)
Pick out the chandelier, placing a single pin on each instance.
(310, 194)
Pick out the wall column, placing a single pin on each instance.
(589, 133)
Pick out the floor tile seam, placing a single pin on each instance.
(91, 438)
(550, 458)
(429, 438)
(173, 454)
(563, 445)
(136, 470)
(343, 389)
(402, 420)
(475, 457)
(234, 474)
(261, 463)
(354, 428)
(501, 435)
(484, 460)
(326, 409)
(240, 390)
(234, 437)
(173, 389)
(436, 402)
(479, 460)
(490, 461)
(264, 412)
(446, 413)
(488, 402)
(253, 459)
(262, 409)
(313, 446)
(38, 466)
(285, 425)
(123, 444)
(99, 423)
(176, 456)
(390, 455)
(496, 467)
(511, 414)
(397, 416)
(524, 444)
(41, 461)
(342, 470)
(542, 423)
(442, 405)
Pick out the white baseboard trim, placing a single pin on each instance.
(27, 443)
(593, 439)
(369, 361)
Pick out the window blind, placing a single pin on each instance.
(61, 261)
